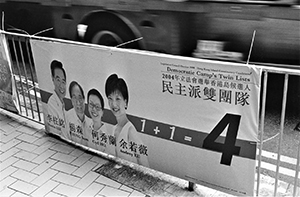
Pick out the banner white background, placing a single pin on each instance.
(176, 102)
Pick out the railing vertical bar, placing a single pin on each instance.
(32, 68)
(13, 71)
(26, 77)
(282, 120)
(20, 78)
(261, 128)
(297, 169)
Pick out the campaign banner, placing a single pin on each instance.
(7, 88)
(191, 118)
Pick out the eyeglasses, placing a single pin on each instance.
(97, 107)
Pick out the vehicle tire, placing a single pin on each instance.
(111, 30)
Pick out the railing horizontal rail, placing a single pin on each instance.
(30, 100)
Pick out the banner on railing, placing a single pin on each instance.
(194, 119)
(7, 89)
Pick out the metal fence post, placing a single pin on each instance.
(261, 129)
(283, 108)
(297, 167)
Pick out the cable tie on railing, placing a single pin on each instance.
(20, 30)
(137, 39)
(51, 28)
(23, 31)
(264, 141)
(251, 46)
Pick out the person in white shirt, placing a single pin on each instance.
(98, 132)
(55, 110)
(77, 121)
(127, 142)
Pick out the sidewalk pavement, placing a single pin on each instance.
(33, 163)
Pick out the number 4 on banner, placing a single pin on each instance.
(228, 148)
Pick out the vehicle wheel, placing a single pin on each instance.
(110, 30)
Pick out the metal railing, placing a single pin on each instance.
(28, 95)
(25, 78)
(287, 73)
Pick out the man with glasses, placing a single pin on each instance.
(55, 112)
(77, 121)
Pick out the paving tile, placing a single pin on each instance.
(28, 156)
(6, 182)
(87, 180)
(99, 160)
(43, 141)
(64, 167)
(55, 141)
(23, 187)
(137, 194)
(27, 130)
(7, 171)
(109, 182)
(92, 190)
(6, 146)
(45, 189)
(19, 194)
(67, 190)
(62, 148)
(40, 134)
(98, 195)
(44, 156)
(125, 188)
(63, 157)
(44, 166)
(84, 169)
(52, 194)
(15, 123)
(81, 159)
(25, 165)
(8, 153)
(7, 192)
(9, 131)
(43, 178)
(26, 146)
(77, 152)
(113, 192)
(8, 162)
(27, 138)
(66, 179)
(24, 175)
(43, 147)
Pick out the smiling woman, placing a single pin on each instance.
(98, 131)
(124, 131)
